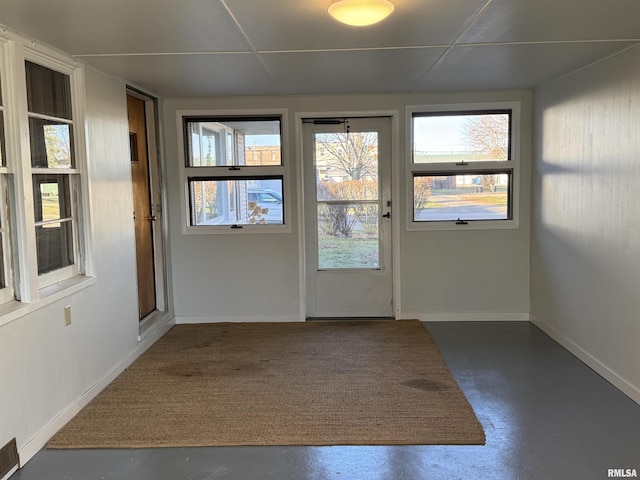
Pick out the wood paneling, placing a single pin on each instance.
(586, 226)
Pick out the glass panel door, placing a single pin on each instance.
(347, 207)
(347, 199)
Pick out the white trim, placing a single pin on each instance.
(302, 240)
(157, 207)
(195, 319)
(79, 186)
(152, 322)
(28, 284)
(514, 165)
(6, 237)
(14, 310)
(396, 209)
(606, 372)
(394, 115)
(284, 170)
(18, 148)
(40, 439)
(465, 316)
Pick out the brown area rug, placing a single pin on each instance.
(307, 383)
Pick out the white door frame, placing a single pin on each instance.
(398, 208)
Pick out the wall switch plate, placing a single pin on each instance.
(67, 315)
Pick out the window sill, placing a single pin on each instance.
(227, 229)
(468, 225)
(14, 310)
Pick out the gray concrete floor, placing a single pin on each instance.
(546, 416)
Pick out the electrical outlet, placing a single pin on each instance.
(67, 315)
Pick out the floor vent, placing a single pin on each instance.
(9, 457)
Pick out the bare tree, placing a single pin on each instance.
(488, 135)
(58, 145)
(350, 154)
(351, 160)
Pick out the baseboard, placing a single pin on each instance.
(157, 320)
(592, 362)
(192, 319)
(465, 317)
(40, 439)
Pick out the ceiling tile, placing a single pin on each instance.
(306, 25)
(250, 47)
(555, 20)
(366, 71)
(512, 66)
(125, 26)
(192, 75)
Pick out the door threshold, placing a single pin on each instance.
(348, 319)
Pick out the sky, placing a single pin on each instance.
(438, 134)
(431, 134)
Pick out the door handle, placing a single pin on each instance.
(387, 215)
(152, 218)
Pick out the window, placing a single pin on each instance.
(53, 169)
(234, 173)
(44, 219)
(463, 170)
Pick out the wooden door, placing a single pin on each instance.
(143, 214)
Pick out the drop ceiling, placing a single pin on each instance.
(279, 47)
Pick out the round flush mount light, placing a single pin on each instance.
(360, 12)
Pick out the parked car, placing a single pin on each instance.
(484, 181)
(270, 200)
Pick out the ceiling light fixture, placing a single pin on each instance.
(360, 12)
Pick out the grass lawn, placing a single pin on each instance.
(50, 208)
(486, 198)
(353, 252)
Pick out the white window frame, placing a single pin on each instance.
(6, 293)
(73, 174)
(28, 286)
(437, 169)
(237, 173)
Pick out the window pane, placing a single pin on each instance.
(348, 236)
(51, 197)
(461, 137)
(346, 166)
(233, 142)
(51, 144)
(236, 202)
(461, 197)
(55, 246)
(48, 91)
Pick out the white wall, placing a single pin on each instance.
(48, 371)
(586, 216)
(444, 275)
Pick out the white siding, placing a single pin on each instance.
(586, 216)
